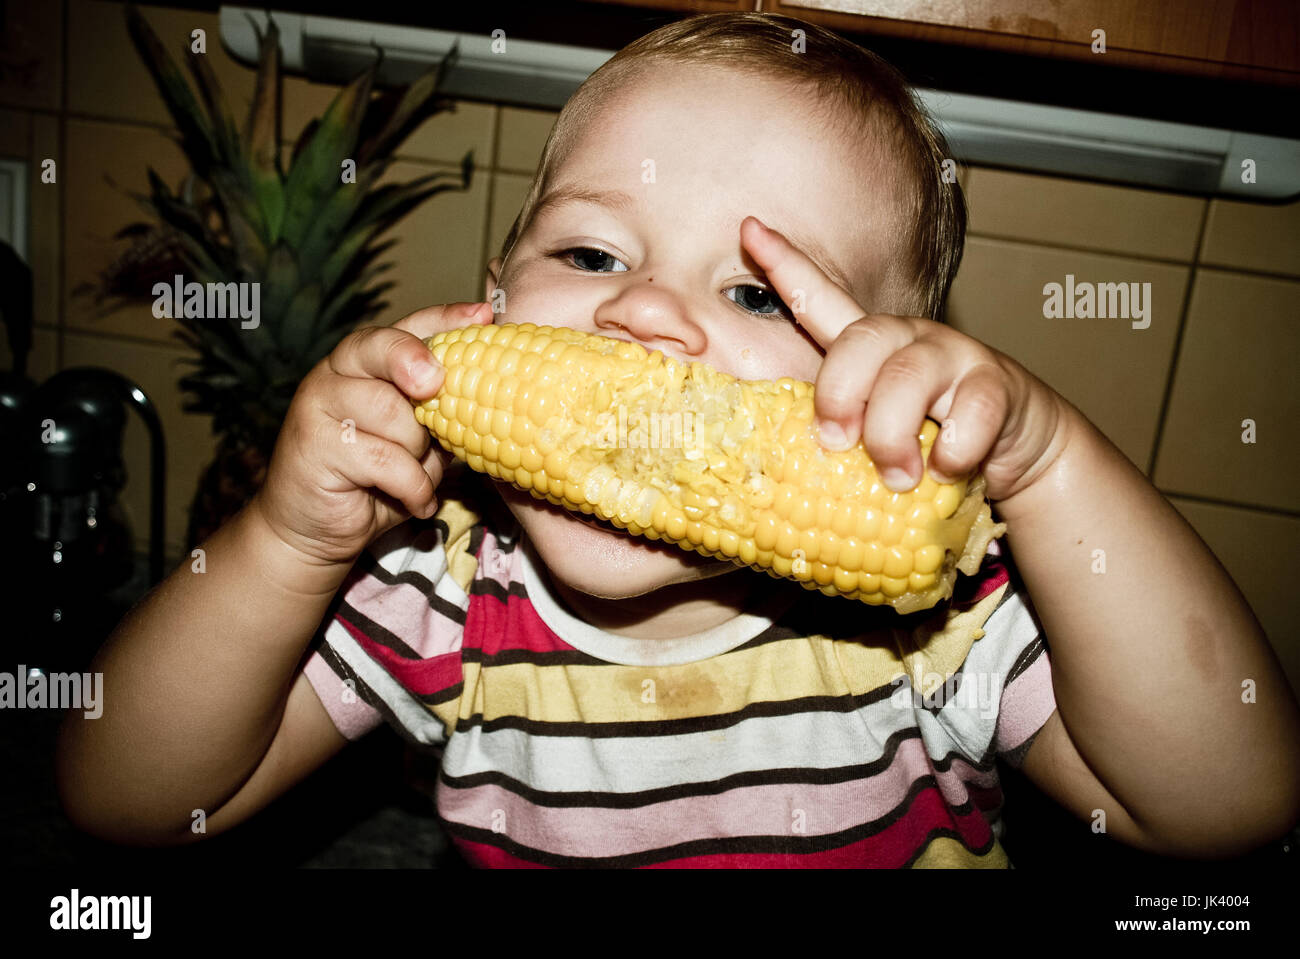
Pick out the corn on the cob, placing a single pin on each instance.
(684, 453)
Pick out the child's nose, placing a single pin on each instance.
(657, 319)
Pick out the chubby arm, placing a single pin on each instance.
(1167, 689)
(203, 705)
(1153, 660)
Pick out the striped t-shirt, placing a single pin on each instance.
(812, 732)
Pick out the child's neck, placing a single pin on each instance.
(681, 609)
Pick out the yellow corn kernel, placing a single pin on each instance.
(693, 456)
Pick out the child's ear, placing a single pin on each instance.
(493, 279)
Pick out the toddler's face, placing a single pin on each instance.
(666, 267)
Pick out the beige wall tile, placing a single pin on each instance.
(444, 137)
(190, 444)
(1260, 551)
(33, 41)
(1113, 373)
(95, 211)
(508, 193)
(34, 137)
(523, 135)
(437, 256)
(1253, 236)
(15, 133)
(45, 234)
(106, 77)
(1237, 362)
(42, 361)
(1076, 213)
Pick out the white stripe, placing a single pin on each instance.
(969, 723)
(413, 715)
(820, 740)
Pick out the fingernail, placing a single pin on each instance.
(897, 480)
(426, 373)
(832, 436)
(942, 479)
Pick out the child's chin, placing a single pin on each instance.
(599, 559)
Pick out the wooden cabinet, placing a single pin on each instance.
(1256, 41)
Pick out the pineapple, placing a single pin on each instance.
(309, 239)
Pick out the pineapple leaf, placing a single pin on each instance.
(418, 101)
(390, 203)
(279, 286)
(225, 136)
(185, 112)
(317, 169)
(332, 220)
(347, 304)
(262, 134)
(299, 322)
(344, 254)
(243, 220)
(361, 262)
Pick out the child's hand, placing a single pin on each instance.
(351, 461)
(883, 375)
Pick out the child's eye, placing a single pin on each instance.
(598, 257)
(592, 260)
(761, 301)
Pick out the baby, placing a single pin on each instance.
(758, 194)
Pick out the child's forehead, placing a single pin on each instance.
(786, 169)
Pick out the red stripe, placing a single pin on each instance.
(890, 849)
(423, 677)
(969, 590)
(495, 627)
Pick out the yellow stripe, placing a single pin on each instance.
(946, 853)
(933, 654)
(460, 520)
(777, 671)
(609, 693)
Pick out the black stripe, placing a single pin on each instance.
(697, 724)
(805, 775)
(514, 657)
(476, 536)
(1028, 656)
(737, 845)
(364, 692)
(371, 698)
(412, 577)
(426, 588)
(447, 694)
(376, 633)
(482, 586)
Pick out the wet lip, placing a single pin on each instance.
(592, 521)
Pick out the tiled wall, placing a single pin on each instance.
(1221, 346)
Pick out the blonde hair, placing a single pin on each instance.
(860, 94)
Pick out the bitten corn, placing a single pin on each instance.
(684, 453)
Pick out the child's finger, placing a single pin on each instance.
(435, 319)
(908, 385)
(376, 407)
(386, 353)
(849, 372)
(371, 462)
(819, 304)
(974, 422)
